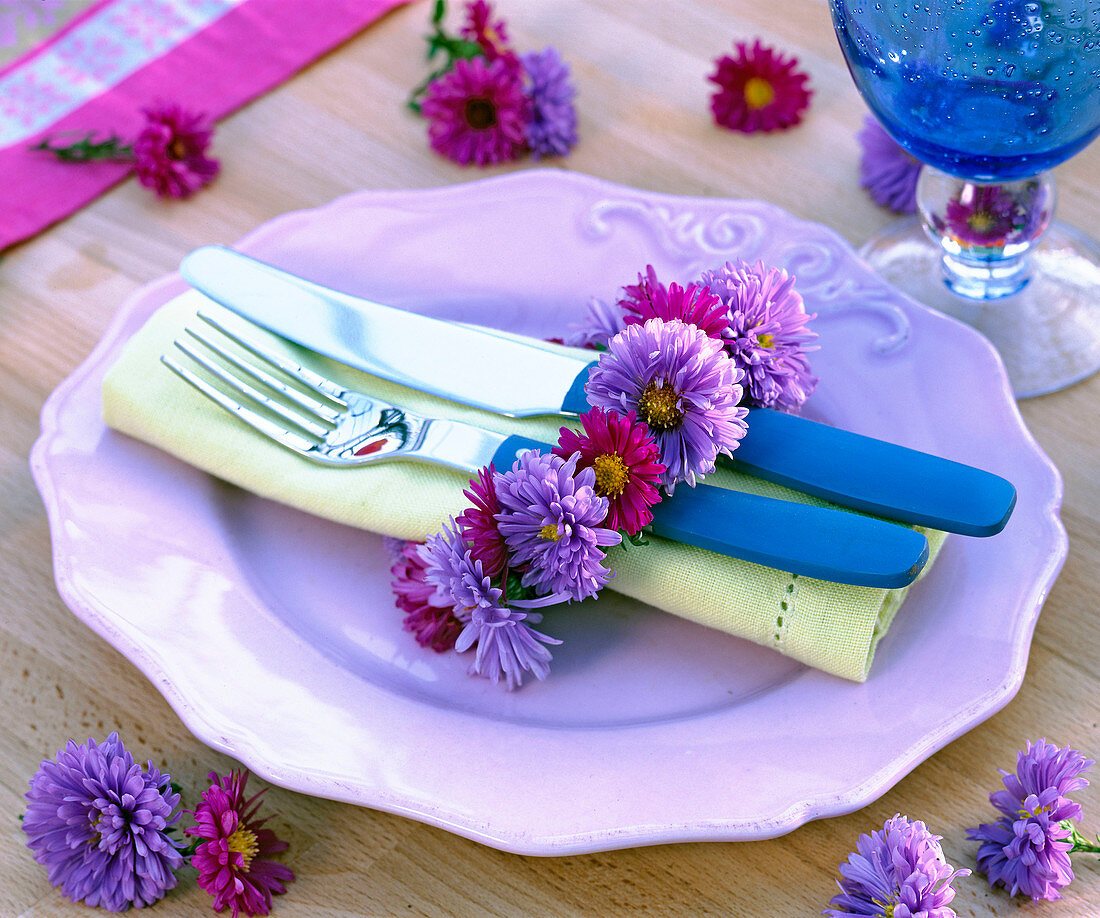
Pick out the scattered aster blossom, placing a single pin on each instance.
(758, 90)
(552, 128)
(693, 305)
(234, 861)
(766, 333)
(682, 384)
(1029, 856)
(170, 153)
(477, 113)
(98, 823)
(624, 457)
(1027, 849)
(886, 169)
(478, 523)
(506, 645)
(489, 34)
(982, 215)
(432, 623)
(899, 871)
(602, 322)
(552, 520)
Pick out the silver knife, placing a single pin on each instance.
(509, 377)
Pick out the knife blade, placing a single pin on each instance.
(849, 469)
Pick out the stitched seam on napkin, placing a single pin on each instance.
(786, 612)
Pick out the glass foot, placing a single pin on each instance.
(1048, 334)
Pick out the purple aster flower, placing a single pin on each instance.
(1028, 855)
(766, 333)
(682, 384)
(98, 822)
(1044, 771)
(552, 520)
(899, 870)
(170, 152)
(552, 128)
(477, 113)
(507, 645)
(886, 169)
(602, 322)
(1027, 849)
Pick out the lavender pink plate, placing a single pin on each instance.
(274, 637)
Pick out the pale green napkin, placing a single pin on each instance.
(829, 626)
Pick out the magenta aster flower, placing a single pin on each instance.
(552, 128)
(766, 333)
(899, 870)
(234, 862)
(477, 113)
(624, 457)
(886, 169)
(170, 152)
(432, 624)
(553, 521)
(982, 215)
(478, 523)
(682, 384)
(489, 34)
(758, 90)
(1027, 849)
(602, 321)
(98, 823)
(693, 305)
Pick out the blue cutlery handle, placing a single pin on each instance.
(575, 401)
(810, 541)
(873, 475)
(512, 446)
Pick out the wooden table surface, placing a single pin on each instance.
(340, 126)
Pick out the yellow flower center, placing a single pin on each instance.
(612, 474)
(980, 221)
(244, 843)
(758, 92)
(480, 114)
(658, 406)
(766, 340)
(550, 532)
(177, 149)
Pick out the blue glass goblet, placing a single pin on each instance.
(989, 96)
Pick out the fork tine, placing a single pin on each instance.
(304, 401)
(279, 434)
(261, 398)
(296, 371)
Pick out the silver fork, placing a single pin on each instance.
(318, 418)
(331, 424)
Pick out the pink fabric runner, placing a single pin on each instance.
(228, 53)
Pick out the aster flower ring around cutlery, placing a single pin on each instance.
(325, 422)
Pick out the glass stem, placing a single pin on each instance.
(984, 230)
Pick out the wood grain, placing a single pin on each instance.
(341, 126)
